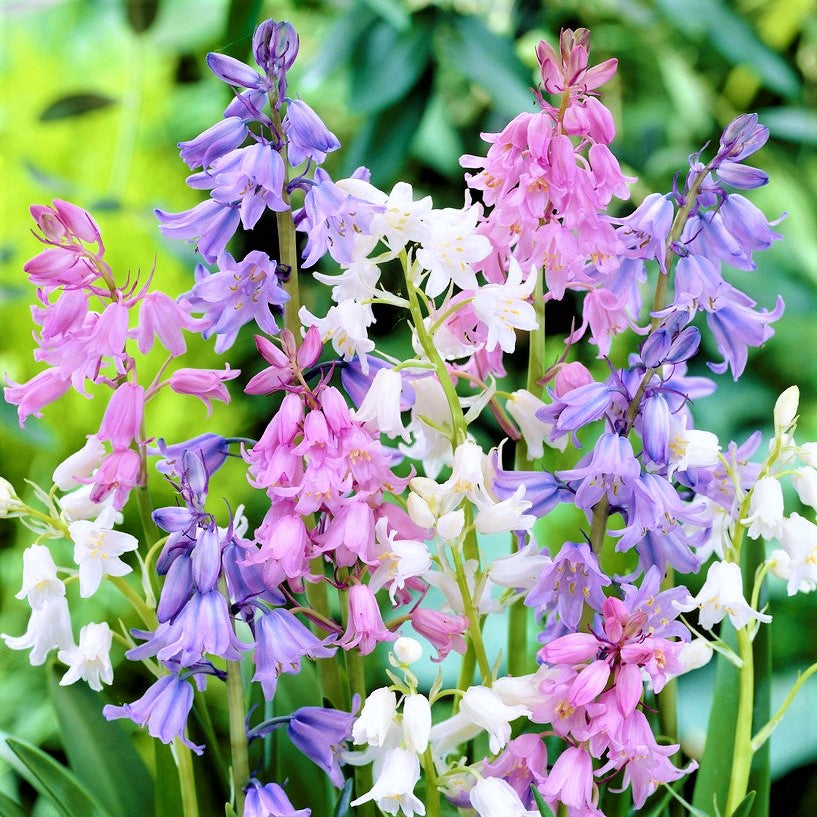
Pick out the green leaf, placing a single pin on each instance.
(790, 123)
(543, 807)
(167, 794)
(745, 806)
(384, 140)
(75, 105)
(100, 752)
(406, 53)
(342, 806)
(55, 782)
(390, 11)
(141, 14)
(229, 811)
(712, 781)
(242, 18)
(8, 808)
(490, 61)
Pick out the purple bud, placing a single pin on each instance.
(741, 176)
(206, 559)
(655, 427)
(307, 136)
(234, 72)
(684, 346)
(177, 588)
(742, 137)
(655, 347)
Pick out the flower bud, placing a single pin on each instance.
(785, 410)
(408, 650)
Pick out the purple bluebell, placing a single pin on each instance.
(163, 709)
(269, 801)
(673, 546)
(206, 558)
(655, 506)
(747, 224)
(307, 136)
(236, 73)
(211, 223)
(542, 488)
(237, 293)
(646, 230)
(655, 427)
(211, 144)
(213, 448)
(611, 470)
(742, 137)
(321, 734)
(275, 46)
(658, 605)
(202, 627)
(281, 641)
(333, 219)
(736, 325)
(177, 587)
(246, 582)
(573, 578)
(576, 408)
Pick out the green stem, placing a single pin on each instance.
(147, 614)
(742, 757)
(187, 780)
(467, 666)
(238, 732)
(432, 792)
(474, 628)
(357, 685)
(766, 732)
(328, 668)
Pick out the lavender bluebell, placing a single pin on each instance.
(269, 801)
(237, 293)
(163, 709)
(321, 734)
(211, 224)
(213, 143)
(213, 448)
(658, 605)
(307, 136)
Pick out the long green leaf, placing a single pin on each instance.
(8, 808)
(543, 807)
(242, 18)
(55, 782)
(489, 60)
(167, 795)
(407, 54)
(99, 752)
(342, 806)
(712, 782)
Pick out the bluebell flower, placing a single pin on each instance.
(275, 46)
(163, 709)
(321, 734)
(658, 605)
(213, 448)
(281, 641)
(269, 801)
(213, 143)
(237, 293)
(211, 223)
(307, 136)
(573, 578)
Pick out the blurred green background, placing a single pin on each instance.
(95, 96)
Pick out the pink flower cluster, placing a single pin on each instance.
(549, 177)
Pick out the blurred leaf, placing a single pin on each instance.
(712, 781)
(384, 140)
(376, 84)
(141, 14)
(339, 44)
(168, 796)
(543, 807)
(229, 811)
(438, 144)
(734, 39)
(99, 751)
(489, 60)
(790, 123)
(8, 808)
(390, 11)
(242, 18)
(342, 806)
(745, 805)
(55, 782)
(75, 105)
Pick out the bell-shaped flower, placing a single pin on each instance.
(493, 796)
(445, 632)
(123, 416)
(206, 384)
(765, 509)
(571, 779)
(307, 136)
(521, 569)
(507, 515)
(485, 708)
(48, 627)
(82, 464)
(376, 718)
(163, 709)
(346, 326)
(722, 595)
(416, 723)
(91, 659)
(97, 548)
(321, 734)
(400, 559)
(380, 409)
(523, 407)
(40, 582)
(365, 629)
(394, 788)
(799, 568)
(269, 801)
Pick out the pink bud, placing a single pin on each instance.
(206, 384)
(365, 629)
(571, 376)
(629, 687)
(444, 632)
(310, 349)
(30, 397)
(570, 649)
(59, 267)
(77, 221)
(589, 683)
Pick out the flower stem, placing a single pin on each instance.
(328, 668)
(474, 628)
(766, 732)
(742, 757)
(187, 780)
(432, 792)
(238, 732)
